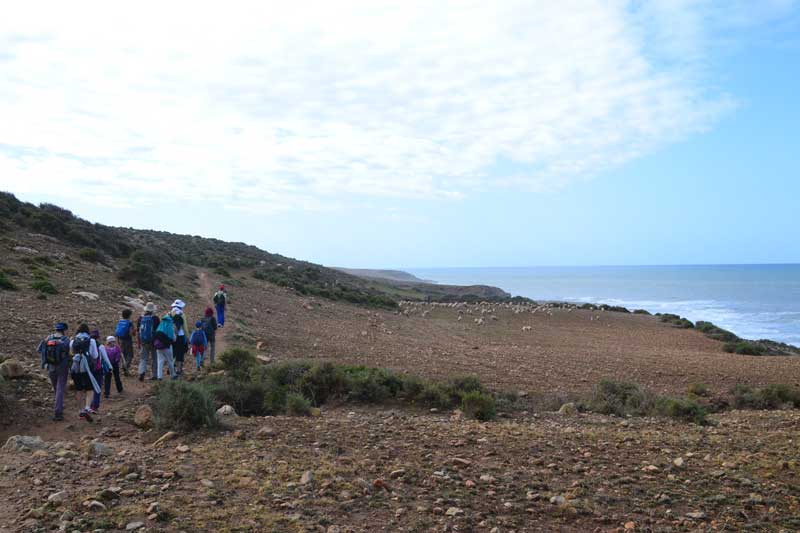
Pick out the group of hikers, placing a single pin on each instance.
(164, 341)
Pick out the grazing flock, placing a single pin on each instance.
(480, 312)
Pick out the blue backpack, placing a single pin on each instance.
(146, 329)
(123, 329)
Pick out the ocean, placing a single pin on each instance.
(753, 301)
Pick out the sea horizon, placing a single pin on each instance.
(755, 301)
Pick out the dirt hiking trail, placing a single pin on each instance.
(116, 413)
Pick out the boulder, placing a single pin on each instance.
(143, 417)
(88, 295)
(568, 409)
(97, 449)
(225, 411)
(11, 369)
(23, 443)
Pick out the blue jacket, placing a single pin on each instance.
(199, 338)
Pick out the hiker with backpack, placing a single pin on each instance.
(210, 329)
(115, 357)
(181, 344)
(221, 302)
(163, 341)
(85, 356)
(146, 326)
(199, 343)
(101, 367)
(125, 333)
(55, 357)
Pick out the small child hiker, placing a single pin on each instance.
(102, 366)
(199, 342)
(114, 354)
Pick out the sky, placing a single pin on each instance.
(416, 134)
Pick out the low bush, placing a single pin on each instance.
(238, 363)
(769, 397)
(699, 389)
(6, 284)
(675, 320)
(478, 405)
(641, 312)
(297, 405)
(183, 406)
(321, 382)
(90, 254)
(715, 332)
(142, 271)
(45, 286)
(743, 348)
(620, 399)
(433, 395)
(462, 385)
(682, 409)
(222, 271)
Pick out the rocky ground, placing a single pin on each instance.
(394, 468)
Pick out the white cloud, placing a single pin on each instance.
(275, 106)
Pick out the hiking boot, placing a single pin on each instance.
(93, 411)
(85, 415)
(58, 418)
(141, 377)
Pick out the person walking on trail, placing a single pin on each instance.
(85, 355)
(146, 326)
(221, 302)
(125, 332)
(210, 329)
(115, 357)
(101, 367)
(199, 344)
(181, 344)
(163, 341)
(55, 357)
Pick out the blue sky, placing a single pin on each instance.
(379, 134)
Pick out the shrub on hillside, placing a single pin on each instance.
(641, 312)
(620, 399)
(769, 397)
(6, 284)
(322, 382)
(699, 389)
(682, 409)
(743, 348)
(238, 362)
(183, 406)
(90, 254)
(461, 385)
(297, 405)
(715, 332)
(478, 405)
(45, 286)
(675, 320)
(142, 271)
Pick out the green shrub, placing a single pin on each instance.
(743, 348)
(297, 405)
(366, 386)
(699, 389)
(675, 320)
(183, 406)
(769, 397)
(275, 401)
(142, 271)
(434, 395)
(44, 286)
(412, 387)
(620, 399)
(681, 409)
(6, 284)
(461, 385)
(90, 254)
(238, 362)
(715, 332)
(222, 271)
(246, 397)
(323, 381)
(506, 400)
(641, 312)
(478, 405)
